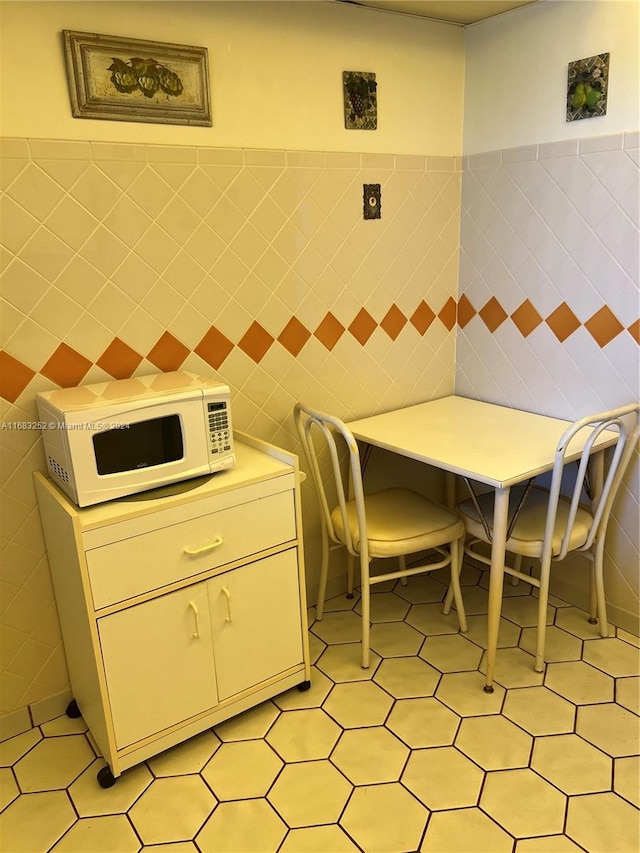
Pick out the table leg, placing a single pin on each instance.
(496, 579)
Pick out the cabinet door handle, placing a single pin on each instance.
(194, 552)
(227, 595)
(196, 633)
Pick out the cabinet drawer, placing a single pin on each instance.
(152, 560)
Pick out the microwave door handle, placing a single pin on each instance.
(195, 552)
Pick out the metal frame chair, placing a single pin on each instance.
(394, 522)
(547, 525)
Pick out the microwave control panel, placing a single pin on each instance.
(219, 427)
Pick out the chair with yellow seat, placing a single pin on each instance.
(394, 522)
(548, 523)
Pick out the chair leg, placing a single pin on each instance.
(457, 554)
(517, 565)
(324, 574)
(545, 572)
(350, 573)
(365, 603)
(402, 560)
(598, 577)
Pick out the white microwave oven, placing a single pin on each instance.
(111, 439)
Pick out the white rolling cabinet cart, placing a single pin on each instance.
(180, 607)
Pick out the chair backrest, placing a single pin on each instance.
(624, 423)
(321, 436)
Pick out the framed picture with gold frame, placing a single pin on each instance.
(122, 79)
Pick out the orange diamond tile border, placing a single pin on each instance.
(329, 331)
(466, 311)
(363, 326)
(422, 318)
(604, 326)
(168, 353)
(493, 314)
(563, 322)
(14, 377)
(66, 367)
(255, 342)
(393, 322)
(214, 348)
(634, 331)
(448, 313)
(294, 336)
(526, 318)
(119, 360)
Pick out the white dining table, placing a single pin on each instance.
(495, 445)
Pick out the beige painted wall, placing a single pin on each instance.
(276, 73)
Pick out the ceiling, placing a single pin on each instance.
(460, 12)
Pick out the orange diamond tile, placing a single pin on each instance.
(363, 326)
(563, 322)
(422, 317)
(66, 367)
(119, 359)
(393, 322)
(294, 336)
(493, 314)
(255, 342)
(14, 377)
(466, 311)
(526, 318)
(168, 353)
(329, 331)
(448, 313)
(604, 326)
(634, 331)
(214, 348)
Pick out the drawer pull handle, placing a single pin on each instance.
(194, 552)
(227, 595)
(196, 633)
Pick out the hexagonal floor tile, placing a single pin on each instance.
(359, 703)
(628, 693)
(338, 627)
(99, 835)
(303, 735)
(244, 827)
(253, 723)
(384, 818)
(576, 621)
(53, 763)
(508, 796)
(64, 726)
(342, 663)
(559, 645)
(91, 800)
(395, 639)
(295, 699)
(8, 788)
(385, 607)
(242, 770)
(354, 752)
(463, 692)
(318, 839)
(579, 682)
(494, 743)
(310, 793)
(539, 711)
(316, 647)
(451, 653)
(407, 678)
(422, 589)
(36, 821)
(523, 610)
(572, 765)
(603, 822)
(508, 635)
(423, 722)
(514, 668)
(172, 809)
(626, 778)
(430, 620)
(611, 728)
(187, 757)
(547, 844)
(14, 748)
(612, 656)
(465, 831)
(442, 778)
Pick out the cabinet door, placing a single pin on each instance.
(158, 661)
(256, 622)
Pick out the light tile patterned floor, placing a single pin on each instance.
(410, 755)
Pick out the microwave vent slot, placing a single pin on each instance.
(57, 470)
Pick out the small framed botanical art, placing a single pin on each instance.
(587, 83)
(360, 100)
(123, 79)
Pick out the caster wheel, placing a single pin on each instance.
(105, 778)
(72, 710)
(305, 685)
(592, 621)
(350, 595)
